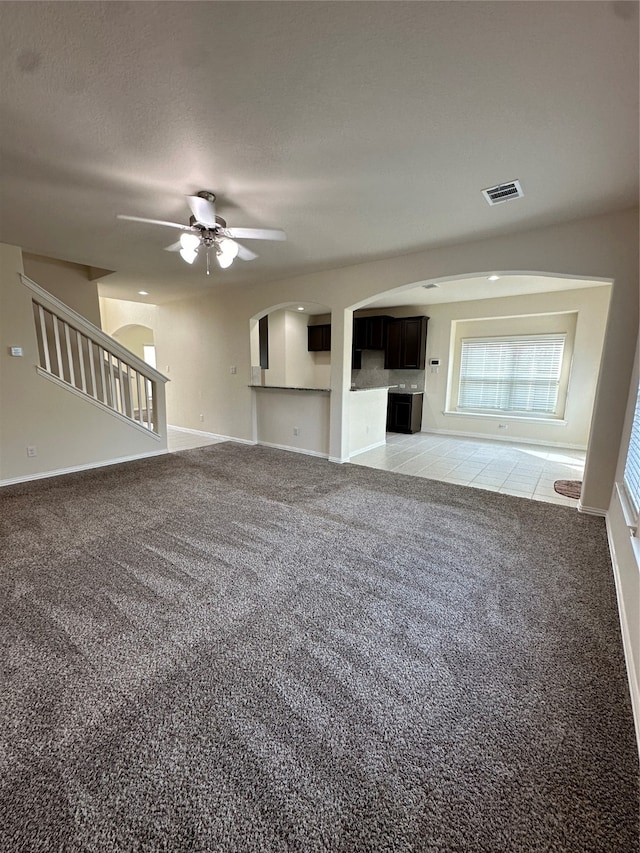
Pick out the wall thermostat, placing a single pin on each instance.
(17, 351)
(434, 364)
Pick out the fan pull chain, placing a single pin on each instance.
(208, 262)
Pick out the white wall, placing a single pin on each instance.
(68, 432)
(294, 420)
(367, 419)
(584, 310)
(69, 282)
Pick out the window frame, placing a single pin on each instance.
(521, 414)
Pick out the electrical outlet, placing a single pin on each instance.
(201, 418)
(296, 430)
(402, 385)
(233, 369)
(414, 386)
(32, 451)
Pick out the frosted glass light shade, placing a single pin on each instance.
(226, 251)
(189, 241)
(188, 255)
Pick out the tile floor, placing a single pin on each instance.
(525, 470)
(178, 439)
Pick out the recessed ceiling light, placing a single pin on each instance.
(493, 277)
(300, 308)
(143, 292)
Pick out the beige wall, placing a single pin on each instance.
(582, 314)
(118, 313)
(294, 420)
(68, 431)
(69, 282)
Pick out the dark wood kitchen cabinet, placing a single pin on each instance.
(406, 343)
(404, 413)
(319, 337)
(370, 332)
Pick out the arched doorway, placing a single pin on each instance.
(139, 340)
(492, 307)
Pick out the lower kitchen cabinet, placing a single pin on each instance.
(404, 413)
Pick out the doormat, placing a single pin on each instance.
(568, 488)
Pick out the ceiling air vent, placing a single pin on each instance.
(503, 192)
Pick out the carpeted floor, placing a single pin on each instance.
(240, 649)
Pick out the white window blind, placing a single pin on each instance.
(519, 374)
(632, 465)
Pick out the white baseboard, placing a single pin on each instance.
(591, 510)
(212, 435)
(75, 468)
(339, 460)
(369, 447)
(633, 676)
(293, 449)
(503, 438)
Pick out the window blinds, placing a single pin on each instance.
(515, 374)
(632, 465)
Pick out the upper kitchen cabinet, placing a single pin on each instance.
(319, 338)
(406, 343)
(370, 332)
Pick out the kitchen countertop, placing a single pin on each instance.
(288, 388)
(373, 388)
(404, 391)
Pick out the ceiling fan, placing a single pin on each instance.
(206, 230)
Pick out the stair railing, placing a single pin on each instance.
(79, 355)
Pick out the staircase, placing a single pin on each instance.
(81, 357)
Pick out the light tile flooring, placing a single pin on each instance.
(178, 439)
(525, 470)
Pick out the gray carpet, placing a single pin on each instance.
(240, 649)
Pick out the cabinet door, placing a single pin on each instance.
(360, 333)
(393, 349)
(319, 338)
(376, 332)
(413, 343)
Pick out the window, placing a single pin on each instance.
(632, 466)
(516, 374)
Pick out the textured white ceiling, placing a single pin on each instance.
(363, 129)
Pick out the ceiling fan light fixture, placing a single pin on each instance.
(189, 241)
(188, 255)
(224, 261)
(226, 252)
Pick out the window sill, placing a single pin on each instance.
(503, 416)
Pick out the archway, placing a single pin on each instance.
(139, 340)
(502, 304)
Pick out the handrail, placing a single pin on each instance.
(80, 356)
(92, 331)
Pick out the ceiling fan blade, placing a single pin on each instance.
(154, 221)
(244, 253)
(174, 247)
(256, 233)
(203, 210)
